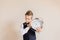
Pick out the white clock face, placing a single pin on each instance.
(36, 23)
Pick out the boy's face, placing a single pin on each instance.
(28, 18)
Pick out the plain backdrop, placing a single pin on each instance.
(12, 16)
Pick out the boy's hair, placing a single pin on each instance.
(29, 12)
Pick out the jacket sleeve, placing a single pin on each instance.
(32, 29)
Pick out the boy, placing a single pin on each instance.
(26, 29)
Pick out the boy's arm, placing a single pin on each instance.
(38, 29)
(29, 25)
(32, 29)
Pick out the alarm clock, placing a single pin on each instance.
(37, 23)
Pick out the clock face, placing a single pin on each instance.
(36, 23)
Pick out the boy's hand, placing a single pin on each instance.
(38, 29)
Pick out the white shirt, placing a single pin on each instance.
(23, 31)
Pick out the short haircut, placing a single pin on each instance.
(29, 12)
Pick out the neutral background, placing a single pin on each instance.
(12, 15)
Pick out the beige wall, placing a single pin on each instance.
(12, 15)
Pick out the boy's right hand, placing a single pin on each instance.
(38, 29)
